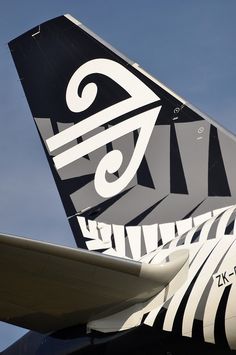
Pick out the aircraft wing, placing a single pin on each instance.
(46, 287)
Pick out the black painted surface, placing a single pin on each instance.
(142, 340)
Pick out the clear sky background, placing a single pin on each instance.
(187, 44)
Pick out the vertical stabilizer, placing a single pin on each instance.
(125, 151)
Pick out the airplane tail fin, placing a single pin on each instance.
(125, 151)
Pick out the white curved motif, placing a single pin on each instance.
(140, 95)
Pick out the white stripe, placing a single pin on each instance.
(91, 232)
(184, 225)
(230, 315)
(152, 316)
(202, 218)
(134, 237)
(105, 231)
(119, 238)
(176, 300)
(150, 234)
(220, 210)
(234, 230)
(97, 244)
(230, 326)
(160, 256)
(223, 222)
(204, 235)
(155, 305)
(173, 243)
(189, 235)
(201, 283)
(216, 292)
(167, 231)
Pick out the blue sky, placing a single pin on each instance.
(187, 44)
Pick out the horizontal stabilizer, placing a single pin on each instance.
(46, 287)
